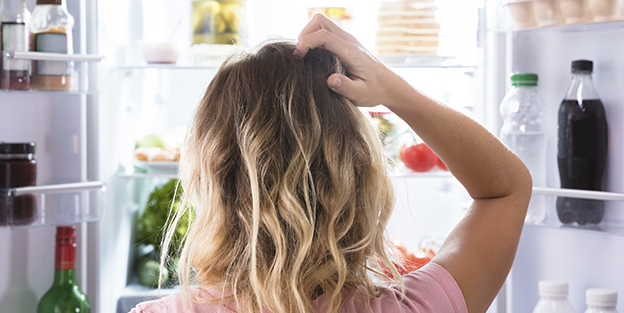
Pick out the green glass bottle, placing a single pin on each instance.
(64, 296)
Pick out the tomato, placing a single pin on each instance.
(441, 165)
(408, 262)
(418, 157)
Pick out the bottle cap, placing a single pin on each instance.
(65, 232)
(50, 2)
(524, 79)
(17, 148)
(553, 288)
(582, 66)
(601, 297)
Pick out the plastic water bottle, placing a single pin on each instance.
(600, 300)
(523, 133)
(553, 297)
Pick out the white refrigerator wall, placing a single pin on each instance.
(585, 259)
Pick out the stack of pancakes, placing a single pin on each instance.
(407, 26)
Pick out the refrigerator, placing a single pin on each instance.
(88, 175)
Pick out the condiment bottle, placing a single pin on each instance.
(14, 22)
(51, 31)
(600, 300)
(581, 146)
(553, 297)
(18, 168)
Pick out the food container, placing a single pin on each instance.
(603, 10)
(160, 52)
(218, 21)
(522, 13)
(18, 168)
(547, 12)
(575, 11)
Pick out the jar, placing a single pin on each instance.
(18, 168)
(218, 21)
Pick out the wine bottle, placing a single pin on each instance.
(64, 296)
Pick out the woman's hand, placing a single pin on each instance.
(368, 81)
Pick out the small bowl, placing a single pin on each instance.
(160, 52)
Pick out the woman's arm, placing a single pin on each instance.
(480, 250)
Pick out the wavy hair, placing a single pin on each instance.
(289, 186)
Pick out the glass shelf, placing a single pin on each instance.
(75, 69)
(51, 205)
(605, 207)
(391, 60)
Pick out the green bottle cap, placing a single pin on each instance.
(524, 79)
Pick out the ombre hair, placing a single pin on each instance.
(288, 183)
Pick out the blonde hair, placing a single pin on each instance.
(288, 183)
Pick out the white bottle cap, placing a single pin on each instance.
(600, 297)
(553, 288)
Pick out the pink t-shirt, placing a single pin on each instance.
(429, 289)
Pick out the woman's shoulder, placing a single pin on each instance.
(177, 303)
(429, 289)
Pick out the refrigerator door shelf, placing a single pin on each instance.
(55, 72)
(51, 205)
(607, 208)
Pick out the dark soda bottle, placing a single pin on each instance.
(581, 147)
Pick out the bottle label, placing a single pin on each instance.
(52, 43)
(65, 254)
(15, 38)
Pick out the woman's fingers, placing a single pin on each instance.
(319, 21)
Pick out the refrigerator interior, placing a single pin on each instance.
(584, 258)
(142, 99)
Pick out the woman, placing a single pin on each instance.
(291, 195)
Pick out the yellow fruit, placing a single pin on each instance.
(218, 25)
(231, 14)
(203, 14)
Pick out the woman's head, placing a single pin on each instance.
(287, 180)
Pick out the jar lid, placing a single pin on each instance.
(582, 66)
(524, 79)
(17, 148)
(553, 288)
(50, 2)
(601, 297)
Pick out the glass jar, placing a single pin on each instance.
(218, 21)
(18, 168)
(51, 31)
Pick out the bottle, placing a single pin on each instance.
(600, 300)
(523, 133)
(581, 146)
(553, 297)
(51, 31)
(14, 22)
(18, 168)
(64, 296)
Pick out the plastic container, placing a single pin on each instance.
(523, 133)
(553, 297)
(600, 300)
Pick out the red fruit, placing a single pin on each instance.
(418, 157)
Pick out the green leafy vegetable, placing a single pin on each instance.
(153, 220)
